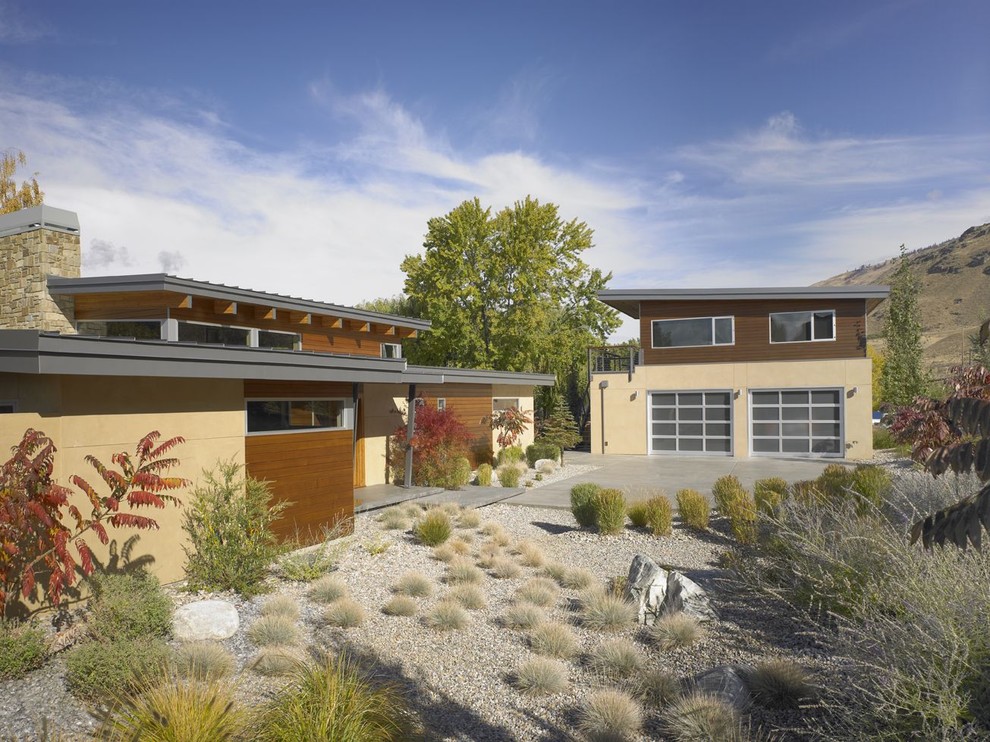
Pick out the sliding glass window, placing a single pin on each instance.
(694, 332)
(298, 415)
(802, 327)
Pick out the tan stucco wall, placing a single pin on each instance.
(100, 416)
(525, 395)
(626, 399)
(384, 411)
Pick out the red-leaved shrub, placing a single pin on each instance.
(439, 440)
(38, 524)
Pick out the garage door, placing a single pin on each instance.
(797, 422)
(691, 422)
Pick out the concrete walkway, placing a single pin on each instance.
(670, 473)
(380, 496)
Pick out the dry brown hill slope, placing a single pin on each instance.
(955, 292)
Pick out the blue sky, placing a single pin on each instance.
(301, 147)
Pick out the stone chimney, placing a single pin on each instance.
(36, 243)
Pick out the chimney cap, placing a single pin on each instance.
(39, 217)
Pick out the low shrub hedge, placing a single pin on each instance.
(22, 649)
(128, 606)
(582, 496)
(541, 450)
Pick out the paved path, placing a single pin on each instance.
(670, 473)
(383, 495)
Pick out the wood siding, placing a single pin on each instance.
(470, 403)
(752, 331)
(167, 305)
(314, 471)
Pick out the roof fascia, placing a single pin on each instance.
(446, 375)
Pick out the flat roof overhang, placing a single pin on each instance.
(627, 301)
(35, 352)
(149, 282)
(446, 375)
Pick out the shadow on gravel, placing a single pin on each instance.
(554, 529)
(440, 715)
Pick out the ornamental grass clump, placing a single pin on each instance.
(675, 631)
(577, 579)
(467, 596)
(604, 611)
(582, 497)
(275, 629)
(554, 640)
(873, 484)
(229, 521)
(469, 517)
(327, 589)
(504, 568)
(459, 547)
(609, 506)
(523, 616)
(538, 591)
(203, 661)
(281, 605)
(413, 584)
(616, 659)
(655, 689)
(659, 516)
(443, 553)
(610, 716)
(636, 512)
(693, 509)
(736, 504)
(461, 570)
(530, 555)
(175, 710)
(488, 553)
(433, 527)
(555, 571)
(335, 700)
(446, 616)
(509, 475)
(699, 717)
(277, 661)
(394, 519)
(779, 684)
(345, 614)
(400, 605)
(540, 677)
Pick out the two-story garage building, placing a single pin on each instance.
(738, 372)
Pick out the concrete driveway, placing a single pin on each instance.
(670, 473)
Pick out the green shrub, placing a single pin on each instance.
(610, 511)
(582, 497)
(873, 483)
(461, 475)
(636, 511)
(229, 522)
(769, 493)
(741, 512)
(128, 606)
(541, 450)
(726, 489)
(485, 475)
(510, 455)
(659, 516)
(693, 509)
(100, 671)
(334, 700)
(508, 475)
(433, 528)
(834, 481)
(883, 438)
(22, 648)
(175, 711)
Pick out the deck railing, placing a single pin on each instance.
(613, 359)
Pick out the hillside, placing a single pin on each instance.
(955, 292)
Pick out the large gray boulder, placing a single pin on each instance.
(658, 592)
(205, 620)
(727, 683)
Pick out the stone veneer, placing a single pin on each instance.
(26, 260)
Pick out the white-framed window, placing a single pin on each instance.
(140, 329)
(276, 339)
(7, 406)
(693, 332)
(504, 403)
(391, 350)
(441, 403)
(802, 327)
(203, 332)
(267, 416)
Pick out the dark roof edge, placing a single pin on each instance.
(446, 375)
(34, 352)
(39, 217)
(164, 282)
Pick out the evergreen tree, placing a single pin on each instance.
(902, 378)
(558, 425)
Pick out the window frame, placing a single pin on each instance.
(162, 331)
(397, 346)
(516, 400)
(441, 403)
(348, 415)
(712, 344)
(811, 318)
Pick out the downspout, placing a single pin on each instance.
(602, 386)
(410, 430)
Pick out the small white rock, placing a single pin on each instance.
(205, 620)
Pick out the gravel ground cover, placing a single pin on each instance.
(460, 680)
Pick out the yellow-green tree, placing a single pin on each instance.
(878, 359)
(15, 197)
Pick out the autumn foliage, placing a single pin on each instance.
(42, 531)
(439, 440)
(510, 424)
